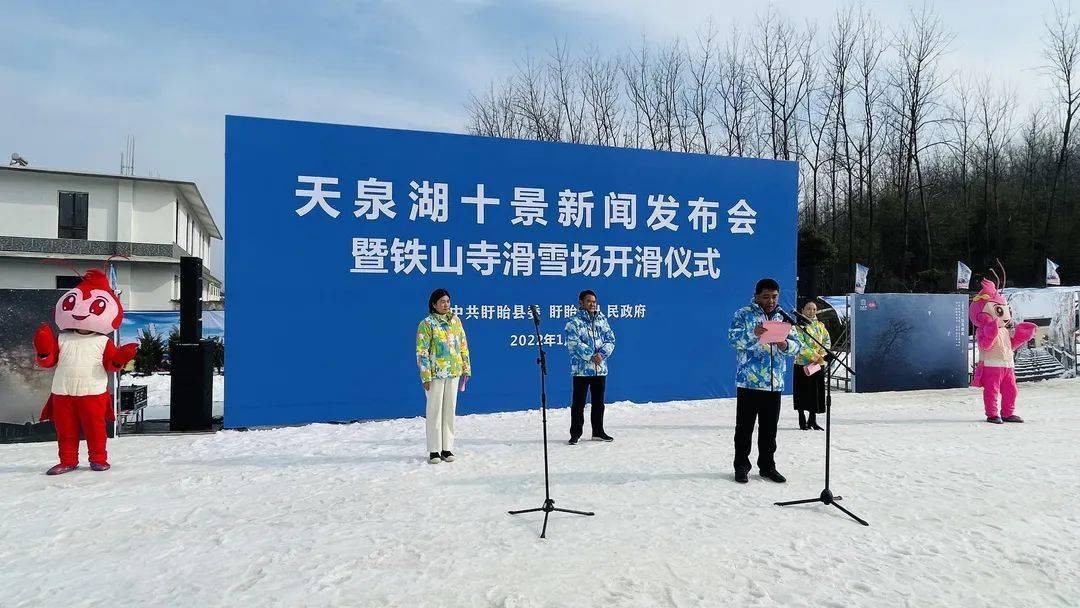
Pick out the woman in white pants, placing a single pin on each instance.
(442, 354)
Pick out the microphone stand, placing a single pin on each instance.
(549, 504)
(826, 496)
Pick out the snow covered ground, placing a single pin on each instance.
(157, 394)
(962, 513)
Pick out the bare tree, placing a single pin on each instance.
(876, 131)
(564, 74)
(839, 57)
(493, 114)
(700, 96)
(871, 91)
(961, 114)
(818, 106)
(734, 112)
(639, 70)
(781, 76)
(920, 46)
(1061, 49)
(535, 104)
(1029, 159)
(668, 83)
(994, 113)
(602, 96)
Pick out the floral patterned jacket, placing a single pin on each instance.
(588, 335)
(760, 366)
(441, 348)
(810, 350)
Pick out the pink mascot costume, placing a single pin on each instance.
(83, 356)
(993, 320)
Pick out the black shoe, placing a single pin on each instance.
(447, 456)
(802, 422)
(573, 441)
(994, 419)
(773, 475)
(433, 458)
(603, 437)
(816, 427)
(742, 476)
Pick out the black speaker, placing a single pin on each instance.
(192, 391)
(191, 288)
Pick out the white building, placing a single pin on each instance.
(87, 217)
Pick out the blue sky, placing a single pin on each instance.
(77, 77)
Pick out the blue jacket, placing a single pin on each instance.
(760, 366)
(587, 335)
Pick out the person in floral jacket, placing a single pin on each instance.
(760, 380)
(590, 341)
(442, 354)
(808, 389)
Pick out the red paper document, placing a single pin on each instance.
(775, 332)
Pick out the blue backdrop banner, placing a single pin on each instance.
(909, 341)
(338, 234)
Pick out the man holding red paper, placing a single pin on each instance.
(762, 343)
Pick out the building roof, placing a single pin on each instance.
(189, 189)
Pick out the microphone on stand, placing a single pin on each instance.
(549, 504)
(797, 320)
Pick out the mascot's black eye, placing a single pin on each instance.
(1000, 311)
(69, 302)
(98, 307)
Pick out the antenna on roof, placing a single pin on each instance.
(17, 161)
(127, 157)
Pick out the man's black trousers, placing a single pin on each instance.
(764, 407)
(595, 386)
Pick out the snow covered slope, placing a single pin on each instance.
(962, 513)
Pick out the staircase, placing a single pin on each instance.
(1037, 364)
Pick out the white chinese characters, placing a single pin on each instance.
(742, 218)
(529, 206)
(317, 195)
(431, 200)
(374, 199)
(518, 259)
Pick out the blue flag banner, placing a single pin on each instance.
(338, 234)
(1052, 277)
(862, 273)
(963, 276)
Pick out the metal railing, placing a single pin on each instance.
(1065, 358)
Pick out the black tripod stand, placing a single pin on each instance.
(549, 504)
(826, 496)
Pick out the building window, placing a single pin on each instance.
(74, 208)
(67, 281)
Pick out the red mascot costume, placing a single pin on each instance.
(83, 356)
(998, 336)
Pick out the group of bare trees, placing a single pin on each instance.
(904, 166)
